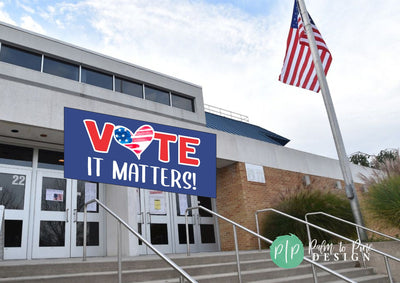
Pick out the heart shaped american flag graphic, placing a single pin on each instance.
(136, 142)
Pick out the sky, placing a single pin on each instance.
(234, 50)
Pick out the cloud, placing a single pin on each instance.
(4, 16)
(236, 55)
(26, 8)
(28, 23)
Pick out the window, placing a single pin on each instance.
(16, 155)
(157, 95)
(20, 57)
(51, 159)
(128, 87)
(96, 78)
(60, 68)
(182, 102)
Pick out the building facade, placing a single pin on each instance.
(39, 76)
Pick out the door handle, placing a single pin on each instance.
(67, 215)
(75, 215)
(148, 217)
(140, 220)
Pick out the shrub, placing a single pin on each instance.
(387, 164)
(383, 200)
(298, 203)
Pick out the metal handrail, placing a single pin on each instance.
(183, 274)
(313, 263)
(358, 234)
(385, 255)
(351, 223)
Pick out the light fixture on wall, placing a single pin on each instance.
(306, 180)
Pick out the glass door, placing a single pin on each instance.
(180, 203)
(14, 195)
(82, 192)
(52, 227)
(205, 228)
(154, 220)
(202, 229)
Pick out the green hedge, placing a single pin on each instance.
(305, 200)
(383, 200)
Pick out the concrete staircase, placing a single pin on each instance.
(204, 267)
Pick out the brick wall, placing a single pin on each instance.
(238, 199)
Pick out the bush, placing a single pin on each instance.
(305, 200)
(383, 200)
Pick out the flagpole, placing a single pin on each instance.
(337, 136)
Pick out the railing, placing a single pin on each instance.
(2, 232)
(313, 263)
(226, 113)
(183, 274)
(353, 224)
(358, 235)
(385, 255)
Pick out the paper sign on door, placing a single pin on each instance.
(54, 195)
(157, 202)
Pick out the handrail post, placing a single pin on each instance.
(119, 235)
(237, 254)
(258, 232)
(84, 232)
(310, 250)
(362, 250)
(187, 233)
(389, 272)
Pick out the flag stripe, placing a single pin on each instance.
(298, 66)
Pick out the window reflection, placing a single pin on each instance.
(206, 202)
(12, 190)
(16, 155)
(51, 159)
(129, 87)
(87, 191)
(156, 95)
(92, 234)
(53, 194)
(182, 102)
(52, 234)
(12, 233)
(159, 234)
(96, 78)
(207, 233)
(60, 68)
(182, 234)
(20, 57)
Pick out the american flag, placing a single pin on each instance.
(298, 66)
(137, 142)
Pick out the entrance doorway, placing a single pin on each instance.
(15, 191)
(161, 220)
(58, 220)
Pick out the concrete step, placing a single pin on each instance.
(327, 278)
(322, 276)
(75, 265)
(205, 267)
(270, 273)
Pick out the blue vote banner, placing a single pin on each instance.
(115, 150)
